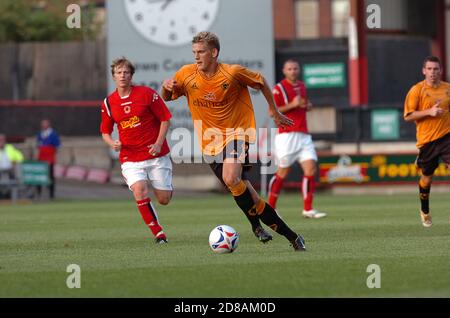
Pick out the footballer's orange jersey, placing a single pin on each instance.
(423, 96)
(220, 105)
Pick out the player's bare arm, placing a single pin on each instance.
(155, 149)
(433, 111)
(168, 87)
(116, 145)
(278, 117)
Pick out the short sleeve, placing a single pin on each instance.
(278, 96)
(412, 100)
(248, 77)
(158, 107)
(179, 77)
(107, 123)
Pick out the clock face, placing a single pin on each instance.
(171, 22)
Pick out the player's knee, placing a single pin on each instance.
(426, 180)
(282, 173)
(231, 180)
(312, 171)
(164, 198)
(140, 192)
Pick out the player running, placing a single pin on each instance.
(223, 116)
(427, 103)
(294, 143)
(143, 120)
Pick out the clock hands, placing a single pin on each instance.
(165, 4)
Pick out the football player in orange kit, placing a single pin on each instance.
(427, 103)
(223, 115)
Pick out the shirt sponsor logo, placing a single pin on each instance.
(130, 123)
(209, 104)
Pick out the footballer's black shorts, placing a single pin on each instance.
(236, 149)
(430, 153)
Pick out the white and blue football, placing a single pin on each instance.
(223, 239)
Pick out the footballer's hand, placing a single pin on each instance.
(170, 85)
(281, 120)
(154, 149)
(435, 110)
(117, 145)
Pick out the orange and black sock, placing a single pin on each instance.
(270, 217)
(424, 197)
(244, 200)
(260, 210)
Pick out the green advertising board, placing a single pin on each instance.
(324, 75)
(385, 124)
(35, 173)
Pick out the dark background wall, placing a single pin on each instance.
(53, 70)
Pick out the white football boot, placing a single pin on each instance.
(426, 219)
(313, 214)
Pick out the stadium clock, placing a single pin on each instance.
(171, 22)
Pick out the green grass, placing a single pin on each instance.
(118, 258)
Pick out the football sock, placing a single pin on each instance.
(308, 188)
(244, 200)
(424, 197)
(150, 217)
(271, 218)
(275, 185)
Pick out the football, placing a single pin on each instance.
(223, 239)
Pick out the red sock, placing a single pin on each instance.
(150, 217)
(275, 185)
(308, 188)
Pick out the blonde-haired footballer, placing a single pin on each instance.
(219, 99)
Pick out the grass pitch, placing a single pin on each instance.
(118, 258)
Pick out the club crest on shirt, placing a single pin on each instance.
(225, 86)
(130, 123)
(194, 86)
(127, 109)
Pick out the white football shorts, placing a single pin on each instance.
(294, 146)
(157, 171)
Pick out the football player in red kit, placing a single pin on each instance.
(142, 120)
(294, 143)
